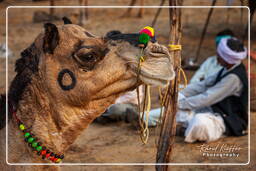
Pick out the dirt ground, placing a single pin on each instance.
(119, 142)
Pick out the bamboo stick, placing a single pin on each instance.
(157, 13)
(51, 9)
(168, 127)
(141, 10)
(204, 30)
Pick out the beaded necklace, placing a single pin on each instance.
(34, 143)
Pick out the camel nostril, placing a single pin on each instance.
(157, 49)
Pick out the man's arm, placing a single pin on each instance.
(228, 86)
(199, 87)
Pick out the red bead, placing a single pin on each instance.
(47, 155)
(52, 158)
(55, 159)
(43, 152)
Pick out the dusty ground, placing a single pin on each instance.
(118, 142)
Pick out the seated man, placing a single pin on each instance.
(211, 65)
(218, 104)
(220, 101)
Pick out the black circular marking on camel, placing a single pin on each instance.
(60, 78)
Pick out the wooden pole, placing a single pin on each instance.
(141, 10)
(204, 31)
(83, 12)
(168, 127)
(241, 12)
(252, 6)
(157, 13)
(86, 12)
(128, 12)
(51, 9)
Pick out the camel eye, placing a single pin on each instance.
(88, 57)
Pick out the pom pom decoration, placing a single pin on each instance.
(146, 34)
(148, 30)
(144, 38)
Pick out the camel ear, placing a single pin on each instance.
(51, 38)
(66, 20)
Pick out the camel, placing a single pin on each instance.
(66, 78)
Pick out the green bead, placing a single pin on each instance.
(26, 135)
(22, 127)
(39, 148)
(31, 139)
(34, 144)
(58, 161)
(144, 38)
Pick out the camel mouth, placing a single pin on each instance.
(156, 72)
(157, 69)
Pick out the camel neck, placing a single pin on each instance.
(35, 111)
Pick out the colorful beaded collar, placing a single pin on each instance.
(34, 143)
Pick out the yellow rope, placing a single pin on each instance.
(162, 101)
(142, 59)
(144, 126)
(184, 76)
(163, 98)
(137, 89)
(165, 94)
(174, 47)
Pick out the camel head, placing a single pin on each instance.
(78, 67)
(76, 75)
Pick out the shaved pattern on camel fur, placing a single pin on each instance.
(58, 117)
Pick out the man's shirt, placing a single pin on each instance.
(204, 93)
(207, 68)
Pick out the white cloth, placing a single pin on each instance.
(204, 127)
(207, 68)
(228, 54)
(3, 51)
(131, 97)
(199, 126)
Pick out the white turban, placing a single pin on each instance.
(230, 56)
